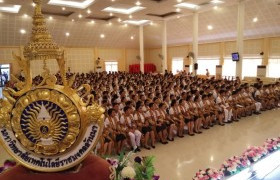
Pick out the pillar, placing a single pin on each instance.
(240, 36)
(141, 37)
(164, 47)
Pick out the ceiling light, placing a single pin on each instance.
(151, 23)
(88, 11)
(10, 8)
(187, 5)
(209, 27)
(130, 16)
(136, 22)
(75, 4)
(138, 3)
(80, 16)
(63, 8)
(179, 1)
(255, 19)
(215, 7)
(178, 10)
(50, 18)
(92, 21)
(22, 31)
(129, 10)
(33, 4)
(25, 16)
(132, 37)
(111, 14)
(67, 34)
(120, 20)
(1, 1)
(109, 23)
(102, 36)
(113, 0)
(73, 20)
(125, 25)
(217, 1)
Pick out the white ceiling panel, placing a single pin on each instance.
(83, 33)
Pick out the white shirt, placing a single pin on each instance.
(139, 116)
(127, 119)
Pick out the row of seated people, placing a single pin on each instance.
(142, 109)
(145, 109)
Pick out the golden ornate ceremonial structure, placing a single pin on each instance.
(48, 127)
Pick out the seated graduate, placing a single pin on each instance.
(167, 121)
(156, 123)
(133, 133)
(144, 125)
(177, 117)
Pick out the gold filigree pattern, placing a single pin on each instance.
(58, 133)
(48, 127)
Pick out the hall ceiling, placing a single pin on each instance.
(85, 31)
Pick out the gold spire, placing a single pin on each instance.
(41, 45)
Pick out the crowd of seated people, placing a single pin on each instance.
(144, 109)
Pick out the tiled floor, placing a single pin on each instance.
(180, 160)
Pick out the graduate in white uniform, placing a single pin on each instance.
(133, 133)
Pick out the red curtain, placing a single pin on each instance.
(148, 68)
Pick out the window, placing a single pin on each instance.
(274, 68)
(250, 66)
(4, 74)
(111, 66)
(209, 64)
(177, 65)
(229, 67)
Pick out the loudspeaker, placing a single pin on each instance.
(195, 66)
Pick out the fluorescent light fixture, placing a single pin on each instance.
(136, 22)
(10, 8)
(217, 1)
(75, 4)
(120, 10)
(187, 5)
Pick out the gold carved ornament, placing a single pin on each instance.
(48, 127)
